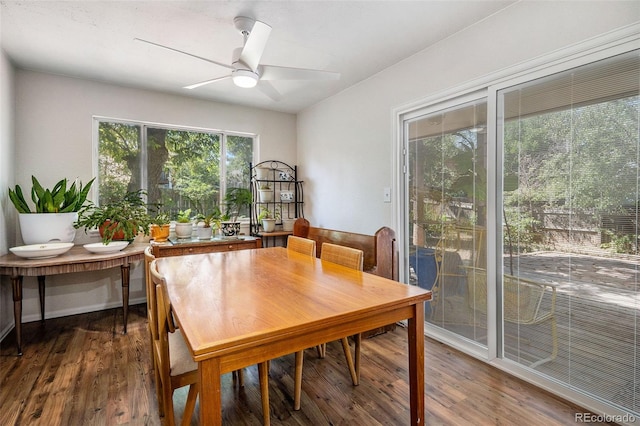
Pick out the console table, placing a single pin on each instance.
(179, 247)
(78, 259)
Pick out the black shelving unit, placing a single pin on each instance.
(274, 185)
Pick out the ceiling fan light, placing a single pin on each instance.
(244, 78)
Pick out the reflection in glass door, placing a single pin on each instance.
(447, 155)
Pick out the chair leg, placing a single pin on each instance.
(169, 415)
(190, 405)
(297, 391)
(347, 355)
(239, 376)
(358, 340)
(159, 390)
(322, 350)
(554, 351)
(263, 373)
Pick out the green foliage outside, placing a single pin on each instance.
(183, 168)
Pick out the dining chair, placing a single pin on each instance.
(307, 247)
(173, 362)
(302, 245)
(351, 258)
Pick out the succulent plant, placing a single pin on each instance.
(56, 200)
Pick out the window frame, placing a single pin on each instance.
(143, 125)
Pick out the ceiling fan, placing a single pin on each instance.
(246, 69)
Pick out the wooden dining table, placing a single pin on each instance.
(240, 308)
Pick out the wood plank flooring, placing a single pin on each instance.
(81, 370)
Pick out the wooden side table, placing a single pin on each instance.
(274, 235)
(78, 259)
(177, 247)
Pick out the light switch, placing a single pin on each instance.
(387, 195)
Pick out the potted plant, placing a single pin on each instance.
(265, 192)
(268, 219)
(236, 200)
(55, 212)
(206, 225)
(121, 220)
(184, 226)
(160, 227)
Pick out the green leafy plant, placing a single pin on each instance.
(123, 219)
(184, 216)
(265, 213)
(56, 200)
(161, 218)
(236, 199)
(211, 219)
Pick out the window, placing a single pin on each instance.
(178, 168)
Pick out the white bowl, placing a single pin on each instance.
(112, 247)
(41, 251)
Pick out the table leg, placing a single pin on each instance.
(16, 285)
(416, 364)
(210, 400)
(124, 273)
(41, 293)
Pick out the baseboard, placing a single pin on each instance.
(72, 311)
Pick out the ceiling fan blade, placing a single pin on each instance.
(268, 89)
(202, 83)
(272, 72)
(255, 44)
(185, 53)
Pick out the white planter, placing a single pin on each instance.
(266, 195)
(204, 233)
(184, 230)
(287, 224)
(269, 225)
(262, 173)
(39, 228)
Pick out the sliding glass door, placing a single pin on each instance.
(447, 156)
(557, 298)
(571, 279)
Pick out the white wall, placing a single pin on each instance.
(346, 143)
(53, 125)
(7, 212)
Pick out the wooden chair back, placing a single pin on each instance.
(152, 308)
(301, 245)
(342, 255)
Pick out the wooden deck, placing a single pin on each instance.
(597, 315)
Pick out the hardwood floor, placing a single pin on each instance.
(81, 370)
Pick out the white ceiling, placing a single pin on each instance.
(95, 40)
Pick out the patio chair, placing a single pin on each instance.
(458, 247)
(524, 303)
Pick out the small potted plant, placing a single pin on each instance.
(160, 227)
(236, 200)
(56, 210)
(268, 219)
(120, 220)
(206, 225)
(265, 193)
(184, 226)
